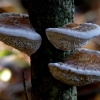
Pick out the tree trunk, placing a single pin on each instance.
(44, 14)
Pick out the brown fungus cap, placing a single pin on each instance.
(80, 68)
(16, 31)
(72, 35)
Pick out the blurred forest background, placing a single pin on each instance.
(13, 62)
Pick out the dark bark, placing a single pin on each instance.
(44, 14)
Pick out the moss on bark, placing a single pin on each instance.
(44, 14)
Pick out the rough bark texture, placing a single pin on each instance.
(44, 14)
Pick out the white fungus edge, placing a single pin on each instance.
(78, 34)
(68, 67)
(72, 69)
(32, 35)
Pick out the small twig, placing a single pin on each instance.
(24, 83)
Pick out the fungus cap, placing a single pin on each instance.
(16, 31)
(80, 68)
(72, 35)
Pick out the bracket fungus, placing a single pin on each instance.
(80, 68)
(16, 31)
(72, 35)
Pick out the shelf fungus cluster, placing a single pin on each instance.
(16, 31)
(81, 67)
